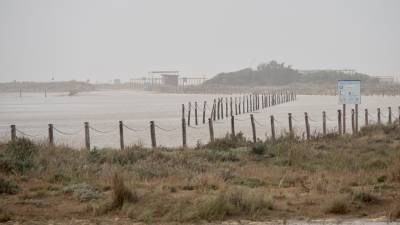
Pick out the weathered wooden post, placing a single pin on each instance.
(233, 126)
(189, 111)
(366, 117)
(214, 110)
(231, 103)
(356, 117)
(390, 115)
(324, 123)
(218, 106)
(243, 110)
(87, 136)
(45, 93)
(211, 129)
(344, 118)
(226, 107)
(236, 108)
(307, 125)
(183, 132)
(251, 102)
(153, 134)
(290, 125)
(51, 135)
(399, 115)
(353, 123)
(121, 135)
(13, 132)
(247, 103)
(253, 128)
(339, 122)
(222, 108)
(379, 116)
(195, 114)
(204, 111)
(272, 128)
(20, 92)
(240, 104)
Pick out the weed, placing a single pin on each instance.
(337, 206)
(8, 187)
(82, 192)
(366, 198)
(20, 154)
(120, 193)
(259, 148)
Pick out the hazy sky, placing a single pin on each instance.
(102, 40)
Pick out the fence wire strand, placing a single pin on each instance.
(100, 131)
(133, 129)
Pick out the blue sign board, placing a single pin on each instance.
(349, 91)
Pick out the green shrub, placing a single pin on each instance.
(337, 206)
(8, 187)
(259, 148)
(20, 154)
(82, 192)
(228, 142)
(366, 198)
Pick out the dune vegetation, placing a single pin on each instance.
(352, 176)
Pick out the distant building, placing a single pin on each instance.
(385, 79)
(169, 79)
(117, 81)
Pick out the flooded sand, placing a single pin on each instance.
(103, 109)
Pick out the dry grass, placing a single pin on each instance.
(288, 178)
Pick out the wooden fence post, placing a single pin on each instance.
(307, 125)
(247, 103)
(214, 110)
(390, 115)
(324, 123)
(121, 135)
(379, 116)
(290, 125)
(356, 117)
(236, 108)
(231, 105)
(195, 114)
(87, 136)
(183, 132)
(226, 107)
(240, 105)
(339, 122)
(153, 135)
(272, 128)
(399, 115)
(13, 132)
(366, 117)
(344, 118)
(218, 110)
(243, 109)
(233, 126)
(222, 108)
(253, 128)
(189, 111)
(51, 135)
(204, 112)
(210, 126)
(353, 123)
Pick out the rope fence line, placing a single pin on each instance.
(28, 135)
(310, 128)
(100, 131)
(67, 133)
(133, 129)
(166, 130)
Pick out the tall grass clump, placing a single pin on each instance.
(19, 155)
(120, 193)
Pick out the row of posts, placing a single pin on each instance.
(225, 107)
(341, 129)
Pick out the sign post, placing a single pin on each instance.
(349, 93)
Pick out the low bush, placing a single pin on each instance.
(121, 193)
(8, 187)
(82, 192)
(20, 155)
(337, 206)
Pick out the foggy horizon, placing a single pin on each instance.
(105, 40)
